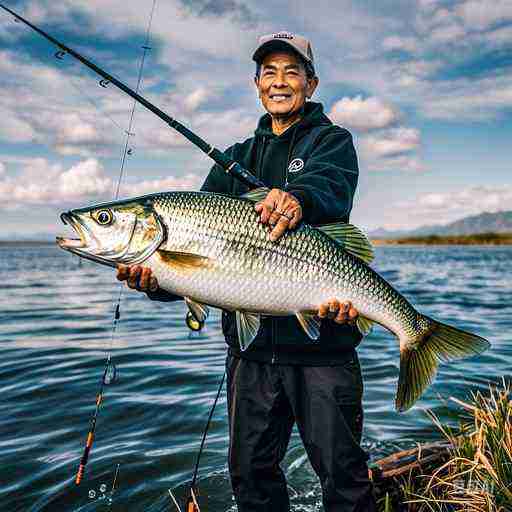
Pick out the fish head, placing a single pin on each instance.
(121, 232)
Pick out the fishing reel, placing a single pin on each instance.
(193, 323)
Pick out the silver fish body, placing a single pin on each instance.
(211, 249)
(246, 271)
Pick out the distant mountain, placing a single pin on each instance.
(499, 222)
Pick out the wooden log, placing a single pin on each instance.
(390, 473)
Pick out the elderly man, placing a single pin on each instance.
(282, 378)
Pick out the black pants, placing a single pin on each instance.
(264, 401)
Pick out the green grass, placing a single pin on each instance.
(478, 475)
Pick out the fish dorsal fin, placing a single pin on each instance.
(248, 325)
(365, 325)
(310, 323)
(183, 260)
(351, 238)
(198, 310)
(256, 195)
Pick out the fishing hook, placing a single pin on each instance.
(104, 83)
(60, 55)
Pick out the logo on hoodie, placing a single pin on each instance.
(296, 165)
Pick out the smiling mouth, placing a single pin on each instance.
(280, 97)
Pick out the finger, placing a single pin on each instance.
(153, 284)
(145, 276)
(275, 217)
(296, 214)
(334, 307)
(267, 207)
(353, 313)
(133, 278)
(342, 315)
(280, 228)
(122, 272)
(323, 309)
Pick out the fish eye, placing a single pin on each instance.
(104, 217)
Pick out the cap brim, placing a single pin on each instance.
(275, 45)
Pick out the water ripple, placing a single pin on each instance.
(55, 333)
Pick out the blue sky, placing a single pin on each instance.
(425, 86)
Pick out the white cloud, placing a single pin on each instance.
(464, 99)
(187, 182)
(2, 168)
(392, 142)
(394, 149)
(363, 114)
(196, 98)
(392, 43)
(445, 207)
(481, 15)
(43, 183)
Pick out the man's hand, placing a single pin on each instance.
(341, 313)
(138, 278)
(281, 211)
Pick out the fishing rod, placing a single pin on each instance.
(219, 157)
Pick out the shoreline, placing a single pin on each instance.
(477, 239)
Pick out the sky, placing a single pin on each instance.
(424, 86)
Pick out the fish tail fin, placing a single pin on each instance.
(418, 363)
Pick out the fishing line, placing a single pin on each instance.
(93, 102)
(109, 372)
(205, 432)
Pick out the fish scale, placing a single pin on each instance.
(306, 266)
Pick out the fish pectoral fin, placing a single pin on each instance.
(198, 310)
(365, 325)
(351, 238)
(310, 322)
(248, 325)
(256, 195)
(183, 260)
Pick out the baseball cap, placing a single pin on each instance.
(284, 41)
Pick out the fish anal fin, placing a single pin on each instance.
(364, 325)
(310, 322)
(183, 260)
(248, 325)
(198, 310)
(351, 238)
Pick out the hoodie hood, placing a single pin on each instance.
(313, 115)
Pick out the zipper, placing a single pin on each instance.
(272, 340)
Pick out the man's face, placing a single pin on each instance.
(283, 85)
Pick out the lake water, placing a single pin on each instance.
(55, 329)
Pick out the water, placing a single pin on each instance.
(55, 323)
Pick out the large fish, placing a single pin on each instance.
(211, 249)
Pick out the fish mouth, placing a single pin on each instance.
(80, 246)
(72, 244)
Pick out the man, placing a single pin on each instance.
(311, 167)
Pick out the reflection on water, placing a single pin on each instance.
(55, 324)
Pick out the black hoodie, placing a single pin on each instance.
(316, 162)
